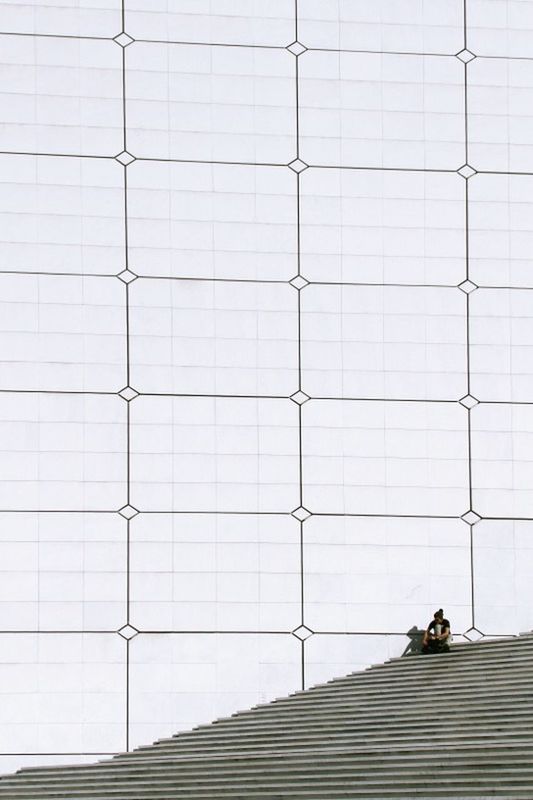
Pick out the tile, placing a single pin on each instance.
(66, 18)
(61, 96)
(503, 557)
(384, 342)
(199, 337)
(62, 333)
(501, 462)
(215, 572)
(500, 123)
(64, 692)
(422, 27)
(503, 29)
(214, 454)
(61, 215)
(393, 458)
(242, 22)
(373, 110)
(375, 226)
(500, 240)
(62, 571)
(211, 103)
(62, 452)
(501, 345)
(212, 221)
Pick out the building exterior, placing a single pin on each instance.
(266, 275)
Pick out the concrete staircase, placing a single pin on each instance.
(452, 725)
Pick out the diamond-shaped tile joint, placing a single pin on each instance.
(299, 282)
(125, 158)
(468, 401)
(302, 632)
(465, 56)
(296, 48)
(128, 512)
(468, 286)
(297, 165)
(127, 632)
(473, 635)
(466, 171)
(127, 276)
(128, 393)
(301, 513)
(299, 397)
(123, 39)
(470, 517)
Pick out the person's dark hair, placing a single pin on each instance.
(439, 613)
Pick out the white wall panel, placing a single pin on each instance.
(211, 103)
(62, 452)
(62, 692)
(65, 17)
(265, 351)
(364, 109)
(500, 236)
(199, 337)
(503, 29)
(501, 337)
(207, 454)
(61, 215)
(503, 560)
(61, 95)
(62, 571)
(205, 572)
(370, 457)
(381, 226)
(242, 22)
(499, 90)
(422, 27)
(212, 221)
(381, 575)
(502, 464)
(383, 342)
(65, 333)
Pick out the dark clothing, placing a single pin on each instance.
(438, 645)
(444, 624)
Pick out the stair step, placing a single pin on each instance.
(257, 774)
(411, 721)
(467, 755)
(376, 733)
(457, 783)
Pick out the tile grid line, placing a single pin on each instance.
(299, 335)
(467, 298)
(311, 49)
(128, 379)
(276, 164)
(277, 281)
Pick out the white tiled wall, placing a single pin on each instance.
(266, 392)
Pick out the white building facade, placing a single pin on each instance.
(266, 385)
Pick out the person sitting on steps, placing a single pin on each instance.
(438, 634)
